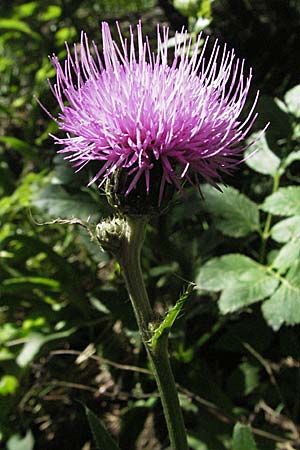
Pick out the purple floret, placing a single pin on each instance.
(131, 109)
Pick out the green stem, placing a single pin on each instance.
(129, 258)
(266, 232)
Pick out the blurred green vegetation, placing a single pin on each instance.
(67, 333)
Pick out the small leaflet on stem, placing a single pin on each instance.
(168, 321)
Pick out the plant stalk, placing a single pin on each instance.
(129, 259)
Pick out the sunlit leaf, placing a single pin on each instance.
(8, 384)
(292, 100)
(286, 229)
(18, 25)
(21, 282)
(34, 343)
(259, 156)
(51, 12)
(242, 281)
(284, 202)
(25, 10)
(284, 305)
(234, 214)
(17, 442)
(287, 255)
(292, 157)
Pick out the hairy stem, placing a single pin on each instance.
(129, 258)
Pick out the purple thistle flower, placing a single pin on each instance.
(130, 109)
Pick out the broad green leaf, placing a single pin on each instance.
(284, 305)
(17, 442)
(292, 100)
(286, 229)
(101, 436)
(284, 202)
(59, 203)
(243, 438)
(287, 255)
(234, 213)
(219, 273)
(8, 384)
(241, 280)
(263, 160)
(244, 293)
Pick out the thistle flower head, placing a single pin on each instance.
(134, 112)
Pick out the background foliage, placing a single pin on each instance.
(67, 333)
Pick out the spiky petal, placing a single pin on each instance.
(132, 109)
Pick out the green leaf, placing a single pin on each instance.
(34, 343)
(286, 229)
(170, 318)
(284, 305)
(264, 160)
(17, 442)
(280, 122)
(243, 438)
(234, 213)
(292, 100)
(243, 380)
(242, 280)
(292, 157)
(17, 144)
(18, 25)
(287, 255)
(188, 8)
(101, 436)
(21, 197)
(26, 10)
(240, 294)
(18, 283)
(51, 12)
(8, 384)
(196, 444)
(59, 203)
(284, 202)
